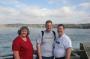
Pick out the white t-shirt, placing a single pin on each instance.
(46, 43)
(60, 46)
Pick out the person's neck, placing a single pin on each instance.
(24, 38)
(61, 35)
(48, 30)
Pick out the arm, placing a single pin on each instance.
(39, 51)
(68, 53)
(16, 54)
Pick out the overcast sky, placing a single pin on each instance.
(38, 11)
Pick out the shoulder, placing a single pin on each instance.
(28, 38)
(66, 37)
(16, 44)
(40, 33)
(17, 39)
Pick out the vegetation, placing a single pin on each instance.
(81, 26)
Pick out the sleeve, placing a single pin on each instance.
(68, 43)
(15, 45)
(39, 39)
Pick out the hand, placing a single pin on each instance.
(40, 58)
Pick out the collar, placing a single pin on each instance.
(62, 36)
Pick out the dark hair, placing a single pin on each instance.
(23, 27)
(48, 21)
(60, 25)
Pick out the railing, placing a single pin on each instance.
(85, 50)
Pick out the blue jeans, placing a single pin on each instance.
(60, 58)
(46, 57)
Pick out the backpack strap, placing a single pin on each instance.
(42, 33)
(42, 36)
(54, 34)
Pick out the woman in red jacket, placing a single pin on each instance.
(22, 47)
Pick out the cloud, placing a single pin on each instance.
(8, 11)
(9, 0)
(58, 1)
(85, 5)
(23, 13)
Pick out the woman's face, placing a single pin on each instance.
(24, 32)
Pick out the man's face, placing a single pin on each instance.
(48, 26)
(60, 30)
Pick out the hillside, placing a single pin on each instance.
(84, 26)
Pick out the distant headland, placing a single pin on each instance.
(81, 26)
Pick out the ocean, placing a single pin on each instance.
(8, 34)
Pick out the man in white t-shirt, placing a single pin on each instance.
(62, 45)
(45, 42)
